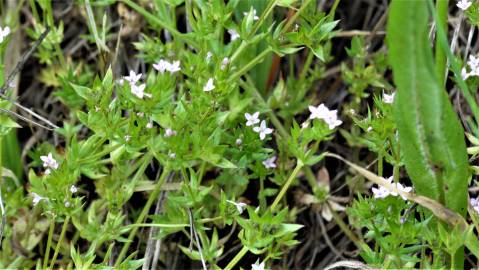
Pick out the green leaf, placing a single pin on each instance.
(430, 134)
(285, 3)
(82, 91)
(225, 164)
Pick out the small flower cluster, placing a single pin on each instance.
(4, 32)
(233, 34)
(262, 129)
(209, 85)
(49, 162)
(255, 17)
(328, 116)
(389, 99)
(383, 192)
(137, 90)
(164, 65)
(473, 64)
(240, 206)
(258, 266)
(269, 163)
(464, 4)
(475, 204)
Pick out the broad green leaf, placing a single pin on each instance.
(430, 134)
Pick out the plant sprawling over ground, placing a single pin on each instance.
(242, 134)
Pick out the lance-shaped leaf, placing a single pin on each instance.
(430, 134)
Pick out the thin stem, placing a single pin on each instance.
(62, 235)
(444, 45)
(277, 124)
(345, 228)
(49, 242)
(442, 9)
(143, 214)
(155, 20)
(280, 195)
(259, 58)
(380, 163)
(237, 258)
(263, 17)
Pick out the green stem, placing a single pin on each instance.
(263, 17)
(360, 244)
(306, 65)
(262, 198)
(280, 195)
(277, 124)
(259, 58)
(442, 9)
(62, 235)
(237, 258)
(155, 20)
(380, 164)
(278, 198)
(49, 243)
(444, 45)
(144, 212)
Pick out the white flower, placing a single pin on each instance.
(464, 74)
(139, 91)
(269, 163)
(383, 192)
(169, 132)
(369, 129)
(224, 63)
(234, 34)
(473, 62)
(209, 85)
(149, 125)
(48, 172)
(174, 67)
(403, 189)
(380, 193)
(251, 119)
(328, 116)
(49, 161)
(133, 78)
(255, 18)
(208, 56)
(73, 189)
(390, 180)
(475, 204)
(240, 206)
(127, 138)
(67, 204)
(4, 33)
(172, 155)
(263, 130)
(257, 266)
(161, 65)
(320, 112)
(463, 4)
(388, 98)
(333, 120)
(36, 198)
(239, 141)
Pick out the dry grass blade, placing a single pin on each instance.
(349, 264)
(436, 208)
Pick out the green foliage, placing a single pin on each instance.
(430, 134)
